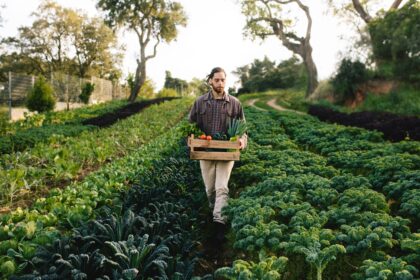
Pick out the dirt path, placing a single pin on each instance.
(272, 104)
(251, 102)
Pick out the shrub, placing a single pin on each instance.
(324, 90)
(87, 91)
(350, 74)
(167, 92)
(41, 97)
(4, 123)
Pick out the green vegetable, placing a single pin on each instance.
(7, 268)
(236, 127)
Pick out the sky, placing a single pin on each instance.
(213, 37)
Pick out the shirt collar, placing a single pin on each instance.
(209, 96)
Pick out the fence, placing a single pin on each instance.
(66, 88)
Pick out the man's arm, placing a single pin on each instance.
(193, 113)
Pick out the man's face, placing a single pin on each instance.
(218, 82)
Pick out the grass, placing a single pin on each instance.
(403, 101)
(287, 98)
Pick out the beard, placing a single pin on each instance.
(218, 90)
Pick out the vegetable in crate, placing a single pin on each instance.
(236, 128)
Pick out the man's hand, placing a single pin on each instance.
(241, 143)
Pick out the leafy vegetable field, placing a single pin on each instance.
(309, 201)
(321, 201)
(61, 160)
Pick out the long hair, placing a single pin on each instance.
(214, 71)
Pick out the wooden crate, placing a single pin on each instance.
(198, 146)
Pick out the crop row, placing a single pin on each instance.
(299, 217)
(39, 128)
(74, 116)
(64, 159)
(390, 168)
(151, 230)
(103, 195)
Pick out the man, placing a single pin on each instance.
(211, 112)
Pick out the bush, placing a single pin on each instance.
(405, 100)
(147, 90)
(167, 92)
(350, 75)
(324, 90)
(41, 97)
(87, 91)
(4, 123)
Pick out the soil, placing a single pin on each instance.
(394, 127)
(109, 119)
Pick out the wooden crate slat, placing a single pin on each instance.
(214, 155)
(199, 143)
(214, 144)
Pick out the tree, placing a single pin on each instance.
(263, 75)
(198, 86)
(349, 9)
(177, 84)
(396, 43)
(94, 43)
(152, 21)
(360, 14)
(65, 40)
(47, 39)
(267, 18)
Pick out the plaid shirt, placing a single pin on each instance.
(217, 126)
(211, 114)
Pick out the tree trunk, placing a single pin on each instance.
(299, 46)
(311, 69)
(139, 80)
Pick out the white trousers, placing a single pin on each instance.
(216, 174)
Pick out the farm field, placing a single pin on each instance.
(39, 128)
(309, 200)
(60, 159)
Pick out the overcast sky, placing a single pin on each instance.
(213, 37)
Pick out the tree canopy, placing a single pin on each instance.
(177, 84)
(270, 18)
(65, 40)
(262, 75)
(152, 21)
(396, 42)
